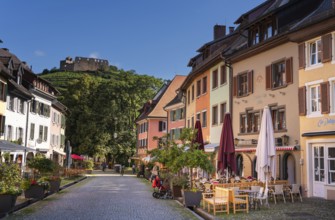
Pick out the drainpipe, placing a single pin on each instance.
(24, 159)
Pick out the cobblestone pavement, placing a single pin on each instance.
(105, 196)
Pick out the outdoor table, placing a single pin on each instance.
(252, 195)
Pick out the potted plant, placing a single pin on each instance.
(54, 182)
(42, 168)
(10, 186)
(88, 165)
(193, 158)
(178, 183)
(35, 188)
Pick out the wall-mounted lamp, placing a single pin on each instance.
(245, 101)
(283, 93)
(272, 95)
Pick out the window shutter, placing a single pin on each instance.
(268, 77)
(2, 124)
(235, 86)
(301, 51)
(325, 104)
(289, 70)
(326, 48)
(302, 101)
(250, 82)
(160, 126)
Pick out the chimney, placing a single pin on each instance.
(219, 31)
(231, 30)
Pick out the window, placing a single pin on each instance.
(176, 115)
(319, 167)
(314, 52)
(175, 133)
(34, 106)
(192, 92)
(223, 75)
(10, 101)
(198, 116)
(20, 104)
(253, 121)
(40, 133)
(162, 126)
(9, 132)
(255, 35)
(279, 74)
(223, 110)
(188, 97)
(188, 123)
(204, 85)
(243, 84)
(243, 123)
(204, 119)
(215, 115)
(331, 165)
(315, 100)
(278, 118)
(32, 131)
(19, 133)
(2, 91)
(45, 133)
(215, 79)
(192, 120)
(262, 31)
(198, 88)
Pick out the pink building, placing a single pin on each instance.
(152, 121)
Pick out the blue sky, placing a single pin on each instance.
(153, 37)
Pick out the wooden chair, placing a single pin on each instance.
(295, 191)
(239, 202)
(278, 190)
(262, 196)
(219, 200)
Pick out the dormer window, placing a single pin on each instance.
(262, 31)
(205, 54)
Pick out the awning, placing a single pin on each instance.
(211, 147)
(12, 147)
(281, 148)
(59, 151)
(76, 157)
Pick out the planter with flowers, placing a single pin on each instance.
(10, 187)
(39, 183)
(54, 182)
(35, 189)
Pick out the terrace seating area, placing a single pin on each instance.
(244, 196)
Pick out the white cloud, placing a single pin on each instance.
(94, 55)
(39, 53)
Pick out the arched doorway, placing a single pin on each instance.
(239, 165)
(289, 168)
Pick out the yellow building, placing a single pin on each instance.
(317, 102)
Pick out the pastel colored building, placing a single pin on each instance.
(317, 100)
(152, 121)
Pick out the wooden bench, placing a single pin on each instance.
(219, 199)
(239, 202)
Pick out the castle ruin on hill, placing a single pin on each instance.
(83, 64)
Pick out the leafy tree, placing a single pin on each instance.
(103, 107)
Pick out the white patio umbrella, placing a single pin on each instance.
(266, 150)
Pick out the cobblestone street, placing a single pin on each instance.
(105, 196)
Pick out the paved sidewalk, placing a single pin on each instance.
(105, 195)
